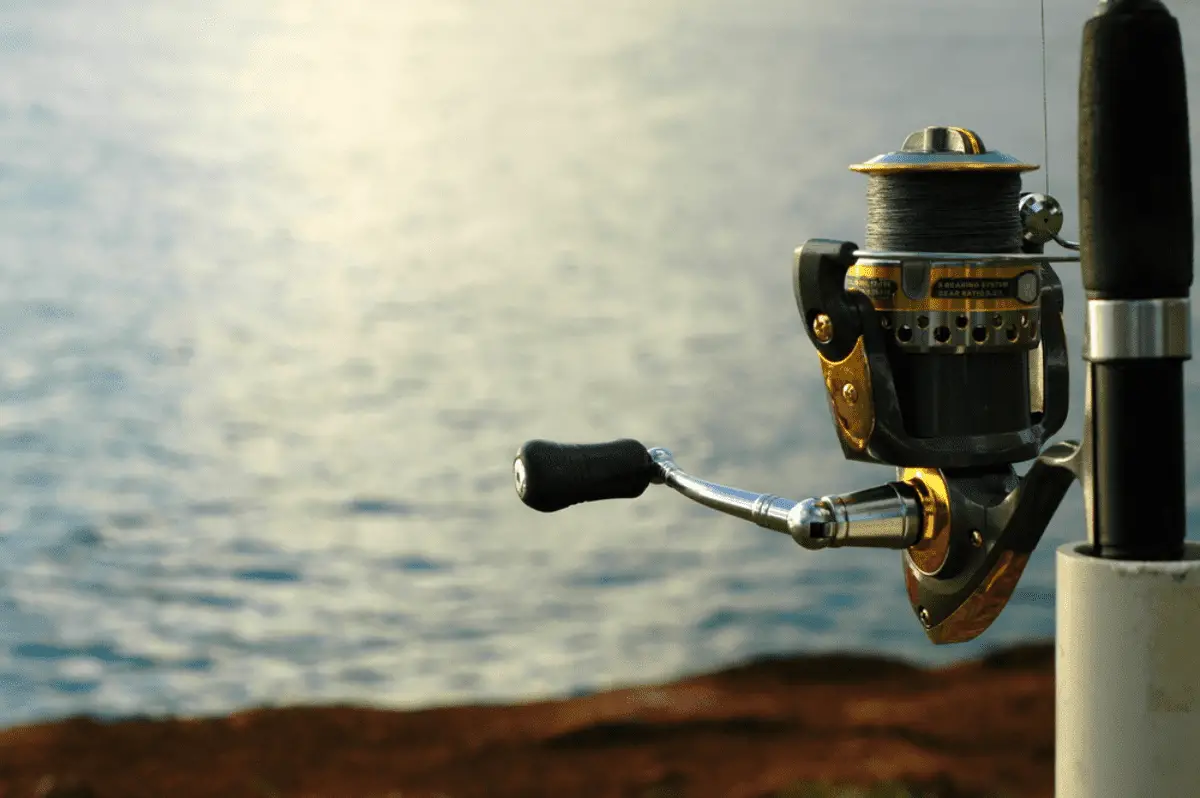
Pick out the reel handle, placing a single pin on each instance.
(553, 476)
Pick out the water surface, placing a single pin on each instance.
(288, 282)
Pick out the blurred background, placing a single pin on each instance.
(286, 284)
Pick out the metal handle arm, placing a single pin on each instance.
(886, 517)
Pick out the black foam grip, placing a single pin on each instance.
(1135, 190)
(551, 476)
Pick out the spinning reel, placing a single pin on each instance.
(948, 364)
(942, 348)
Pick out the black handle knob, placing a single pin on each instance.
(1135, 190)
(551, 476)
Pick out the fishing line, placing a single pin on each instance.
(1045, 105)
(956, 211)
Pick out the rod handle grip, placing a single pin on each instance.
(1135, 189)
(552, 476)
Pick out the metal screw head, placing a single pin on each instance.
(923, 614)
(849, 393)
(976, 538)
(1027, 287)
(823, 328)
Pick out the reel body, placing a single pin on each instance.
(944, 405)
(964, 344)
(950, 365)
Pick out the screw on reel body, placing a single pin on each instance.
(943, 353)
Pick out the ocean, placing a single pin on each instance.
(287, 283)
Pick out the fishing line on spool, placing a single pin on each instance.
(955, 211)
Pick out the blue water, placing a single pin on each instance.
(286, 284)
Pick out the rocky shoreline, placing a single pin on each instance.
(768, 729)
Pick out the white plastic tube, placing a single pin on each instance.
(1127, 677)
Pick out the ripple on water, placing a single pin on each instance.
(377, 506)
(103, 382)
(101, 652)
(75, 543)
(767, 618)
(610, 579)
(418, 563)
(172, 594)
(215, 508)
(130, 521)
(214, 601)
(37, 479)
(22, 440)
(269, 575)
(51, 311)
(835, 577)
(738, 586)
(840, 601)
(74, 686)
(252, 547)
(363, 676)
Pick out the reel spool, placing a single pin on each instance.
(961, 359)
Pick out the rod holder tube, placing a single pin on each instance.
(1127, 695)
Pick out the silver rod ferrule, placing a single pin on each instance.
(1136, 329)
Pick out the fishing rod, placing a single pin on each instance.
(943, 351)
(1127, 670)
